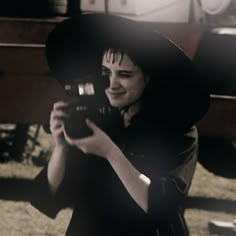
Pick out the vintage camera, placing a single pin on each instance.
(91, 102)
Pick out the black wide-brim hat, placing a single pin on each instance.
(75, 47)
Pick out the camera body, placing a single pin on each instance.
(90, 102)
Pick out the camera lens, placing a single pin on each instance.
(76, 127)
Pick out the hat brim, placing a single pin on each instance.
(75, 43)
(75, 46)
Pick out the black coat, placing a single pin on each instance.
(102, 205)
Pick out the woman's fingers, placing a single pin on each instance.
(56, 125)
(58, 131)
(60, 105)
(68, 139)
(56, 121)
(91, 125)
(57, 117)
(59, 114)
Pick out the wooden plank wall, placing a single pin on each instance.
(28, 91)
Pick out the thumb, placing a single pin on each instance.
(91, 125)
(69, 140)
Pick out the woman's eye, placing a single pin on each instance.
(105, 73)
(125, 75)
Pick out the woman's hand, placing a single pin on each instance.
(99, 143)
(57, 119)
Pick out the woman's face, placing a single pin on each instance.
(127, 81)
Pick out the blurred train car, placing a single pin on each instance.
(28, 90)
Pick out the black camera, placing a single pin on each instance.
(91, 102)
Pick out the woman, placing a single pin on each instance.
(130, 182)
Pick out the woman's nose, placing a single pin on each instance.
(114, 82)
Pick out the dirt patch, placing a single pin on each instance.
(211, 197)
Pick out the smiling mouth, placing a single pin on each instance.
(115, 94)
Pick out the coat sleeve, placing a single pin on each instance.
(49, 204)
(167, 191)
